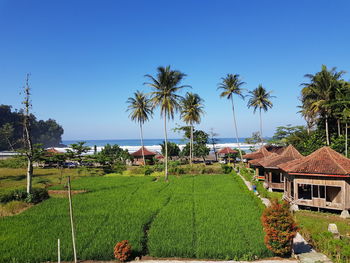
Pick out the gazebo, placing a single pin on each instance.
(147, 153)
(320, 180)
(224, 153)
(274, 179)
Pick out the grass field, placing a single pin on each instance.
(207, 216)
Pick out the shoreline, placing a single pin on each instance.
(157, 148)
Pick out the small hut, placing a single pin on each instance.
(274, 179)
(138, 155)
(226, 153)
(256, 163)
(320, 180)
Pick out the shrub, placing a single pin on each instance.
(15, 162)
(122, 250)
(38, 195)
(226, 169)
(148, 171)
(280, 228)
(119, 167)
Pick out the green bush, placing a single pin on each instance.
(119, 167)
(148, 170)
(38, 195)
(226, 169)
(15, 162)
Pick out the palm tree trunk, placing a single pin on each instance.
(261, 134)
(166, 149)
(327, 133)
(143, 154)
(235, 123)
(191, 145)
(346, 139)
(338, 122)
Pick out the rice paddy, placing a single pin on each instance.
(207, 216)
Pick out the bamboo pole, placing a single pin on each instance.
(71, 220)
(58, 251)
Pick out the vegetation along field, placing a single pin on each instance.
(206, 216)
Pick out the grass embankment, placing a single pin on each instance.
(314, 228)
(208, 216)
(248, 174)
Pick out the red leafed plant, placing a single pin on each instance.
(280, 228)
(122, 250)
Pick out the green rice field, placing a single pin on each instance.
(205, 216)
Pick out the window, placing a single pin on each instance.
(304, 191)
(315, 191)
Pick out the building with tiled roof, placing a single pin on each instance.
(274, 178)
(226, 154)
(321, 180)
(143, 151)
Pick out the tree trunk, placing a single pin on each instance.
(338, 122)
(346, 139)
(191, 145)
(261, 134)
(143, 154)
(235, 124)
(166, 149)
(27, 136)
(327, 133)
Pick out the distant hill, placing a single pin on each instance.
(48, 133)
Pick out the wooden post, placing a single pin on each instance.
(58, 251)
(71, 220)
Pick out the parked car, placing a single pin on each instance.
(70, 165)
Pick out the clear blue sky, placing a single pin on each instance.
(87, 57)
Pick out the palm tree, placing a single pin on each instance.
(165, 86)
(260, 99)
(191, 111)
(140, 108)
(231, 85)
(318, 94)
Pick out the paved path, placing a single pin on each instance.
(303, 251)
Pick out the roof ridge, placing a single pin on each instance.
(336, 162)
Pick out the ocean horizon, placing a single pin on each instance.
(147, 142)
(133, 145)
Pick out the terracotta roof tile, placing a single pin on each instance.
(289, 154)
(261, 153)
(323, 161)
(227, 150)
(146, 152)
(259, 161)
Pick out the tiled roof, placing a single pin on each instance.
(259, 161)
(261, 153)
(289, 154)
(146, 152)
(226, 150)
(323, 161)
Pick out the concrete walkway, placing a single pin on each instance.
(303, 251)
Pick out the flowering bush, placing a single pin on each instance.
(122, 250)
(280, 228)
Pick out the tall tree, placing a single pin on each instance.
(165, 86)
(140, 108)
(260, 99)
(231, 85)
(191, 111)
(317, 95)
(27, 137)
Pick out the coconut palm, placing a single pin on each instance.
(191, 111)
(140, 108)
(260, 99)
(318, 94)
(231, 85)
(165, 86)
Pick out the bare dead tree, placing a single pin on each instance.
(27, 137)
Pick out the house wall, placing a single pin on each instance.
(269, 181)
(339, 201)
